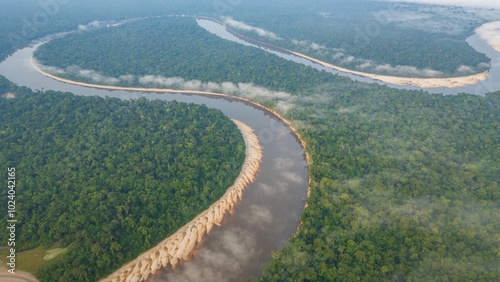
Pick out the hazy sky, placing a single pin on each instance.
(470, 3)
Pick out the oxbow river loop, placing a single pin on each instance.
(271, 206)
(269, 211)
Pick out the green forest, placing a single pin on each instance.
(110, 178)
(158, 47)
(405, 187)
(363, 35)
(404, 184)
(24, 20)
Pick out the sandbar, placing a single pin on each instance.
(180, 246)
(19, 276)
(450, 82)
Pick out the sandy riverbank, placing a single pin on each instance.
(180, 246)
(490, 32)
(20, 276)
(450, 82)
(162, 90)
(139, 267)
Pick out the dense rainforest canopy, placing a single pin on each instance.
(159, 47)
(400, 39)
(110, 178)
(24, 20)
(404, 184)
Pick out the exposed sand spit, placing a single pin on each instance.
(205, 224)
(450, 82)
(180, 246)
(490, 32)
(20, 276)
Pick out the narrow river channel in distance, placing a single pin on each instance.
(491, 84)
(269, 213)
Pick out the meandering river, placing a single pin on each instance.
(491, 84)
(269, 213)
(271, 206)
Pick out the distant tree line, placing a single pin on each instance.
(173, 47)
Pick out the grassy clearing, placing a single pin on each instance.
(31, 261)
(51, 254)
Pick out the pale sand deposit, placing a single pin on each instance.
(35, 66)
(490, 32)
(113, 277)
(20, 276)
(180, 246)
(450, 82)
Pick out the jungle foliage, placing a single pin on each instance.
(405, 186)
(400, 39)
(404, 183)
(171, 47)
(110, 178)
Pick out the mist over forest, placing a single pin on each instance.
(403, 184)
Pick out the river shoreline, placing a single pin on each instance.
(450, 82)
(149, 263)
(187, 92)
(490, 33)
(180, 246)
(245, 100)
(20, 276)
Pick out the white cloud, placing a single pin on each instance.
(91, 25)
(311, 46)
(316, 46)
(240, 25)
(408, 70)
(465, 69)
(292, 177)
(365, 65)
(258, 216)
(284, 106)
(271, 190)
(339, 56)
(246, 90)
(283, 163)
(401, 16)
(51, 69)
(348, 60)
(97, 77)
(450, 20)
(347, 110)
(483, 65)
(229, 253)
